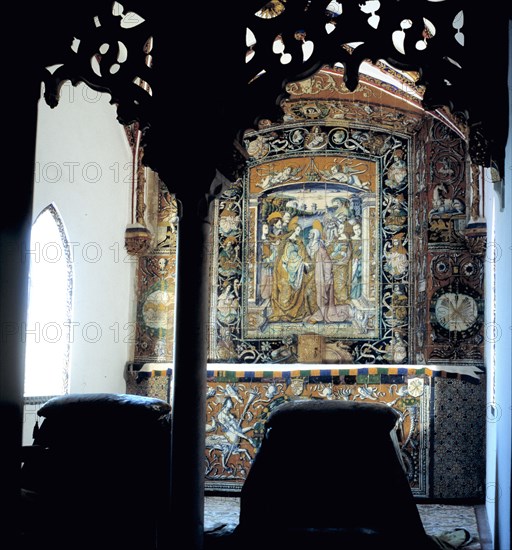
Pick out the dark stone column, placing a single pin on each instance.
(15, 225)
(188, 397)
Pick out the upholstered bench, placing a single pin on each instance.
(328, 474)
(97, 474)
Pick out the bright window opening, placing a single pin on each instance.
(49, 307)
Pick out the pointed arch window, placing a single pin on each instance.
(49, 307)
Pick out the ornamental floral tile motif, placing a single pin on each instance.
(156, 279)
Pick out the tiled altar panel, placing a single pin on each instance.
(238, 405)
(444, 422)
(320, 241)
(237, 410)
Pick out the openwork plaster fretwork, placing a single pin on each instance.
(111, 52)
(110, 46)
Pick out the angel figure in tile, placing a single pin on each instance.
(397, 172)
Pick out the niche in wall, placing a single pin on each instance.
(346, 264)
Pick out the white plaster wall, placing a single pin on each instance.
(83, 166)
(498, 289)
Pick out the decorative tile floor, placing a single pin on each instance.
(218, 510)
(436, 518)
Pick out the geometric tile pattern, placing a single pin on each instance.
(458, 439)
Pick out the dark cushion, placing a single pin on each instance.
(112, 421)
(94, 405)
(327, 415)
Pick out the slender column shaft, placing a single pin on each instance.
(189, 377)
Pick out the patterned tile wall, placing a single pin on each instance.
(456, 270)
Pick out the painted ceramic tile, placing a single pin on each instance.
(237, 412)
(156, 276)
(316, 245)
(167, 222)
(310, 233)
(155, 323)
